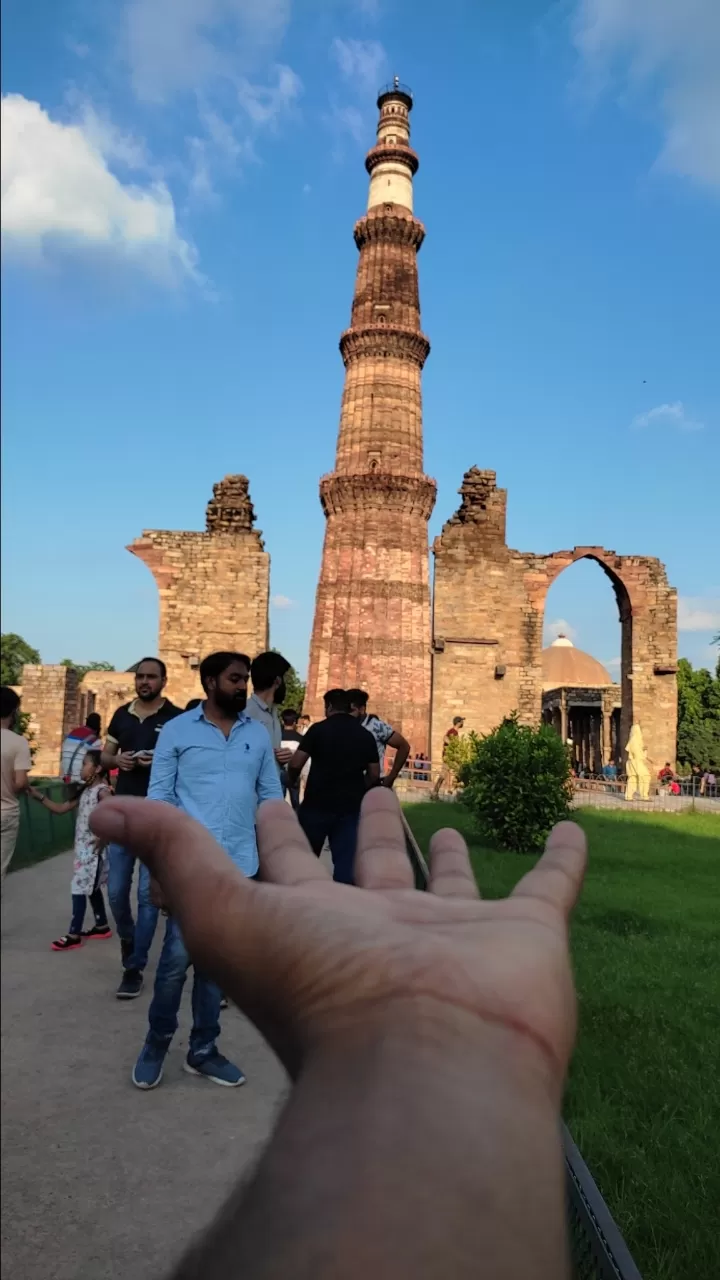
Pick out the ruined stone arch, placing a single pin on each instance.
(556, 564)
(488, 610)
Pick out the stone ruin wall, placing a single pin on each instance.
(489, 604)
(214, 587)
(488, 610)
(214, 590)
(50, 696)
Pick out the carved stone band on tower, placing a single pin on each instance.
(372, 612)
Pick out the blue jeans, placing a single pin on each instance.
(340, 829)
(79, 904)
(169, 982)
(121, 864)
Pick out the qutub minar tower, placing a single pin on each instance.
(372, 610)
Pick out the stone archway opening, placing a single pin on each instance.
(586, 659)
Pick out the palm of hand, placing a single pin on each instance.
(309, 960)
(341, 952)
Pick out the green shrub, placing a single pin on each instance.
(517, 784)
(458, 752)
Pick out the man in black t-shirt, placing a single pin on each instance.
(290, 740)
(129, 746)
(343, 765)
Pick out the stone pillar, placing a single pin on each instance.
(50, 697)
(563, 716)
(214, 587)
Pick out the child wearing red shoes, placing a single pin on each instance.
(90, 865)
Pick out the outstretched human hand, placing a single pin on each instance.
(310, 960)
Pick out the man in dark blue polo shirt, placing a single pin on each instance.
(131, 739)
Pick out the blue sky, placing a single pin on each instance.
(180, 183)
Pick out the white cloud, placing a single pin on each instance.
(57, 190)
(668, 415)
(667, 53)
(77, 47)
(361, 62)
(177, 46)
(350, 120)
(218, 55)
(266, 104)
(698, 613)
(282, 602)
(560, 627)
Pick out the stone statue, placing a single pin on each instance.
(638, 773)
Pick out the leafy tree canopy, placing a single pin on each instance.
(14, 653)
(698, 730)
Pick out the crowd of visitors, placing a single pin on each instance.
(348, 985)
(214, 761)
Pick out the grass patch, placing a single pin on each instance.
(642, 1100)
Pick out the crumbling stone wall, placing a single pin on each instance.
(489, 604)
(103, 692)
(50, 696)
(214, 587)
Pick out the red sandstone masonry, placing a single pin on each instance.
(486, 592)
(372, 611)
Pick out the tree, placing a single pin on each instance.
(294, 692)
(698, 728)
(517, 784)
(294, 689)
(14, 653)
(82, 668)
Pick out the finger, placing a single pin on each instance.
(381, 859)
(451, 875)
(228, 924)
(557, 877)
(180, 854)
(285, 855)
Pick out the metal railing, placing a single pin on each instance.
(690, 787)
(395, 87)
(597, 1249)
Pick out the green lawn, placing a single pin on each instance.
(643, 1098)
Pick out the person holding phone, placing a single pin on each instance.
(129, 747)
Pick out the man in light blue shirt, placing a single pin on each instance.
(216, 764)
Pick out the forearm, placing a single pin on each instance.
(57, 806)
(109, 759)
(421, 1154)
(398, 763)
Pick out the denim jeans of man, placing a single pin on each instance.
(121, 864)
(169, 982)
(340, 830)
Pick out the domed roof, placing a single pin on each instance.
(564, 666)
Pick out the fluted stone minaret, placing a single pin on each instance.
(372, 612)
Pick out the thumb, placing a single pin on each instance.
(212, 900)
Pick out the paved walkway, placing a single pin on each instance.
(99, 1179)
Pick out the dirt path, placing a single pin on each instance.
(99, 1179)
